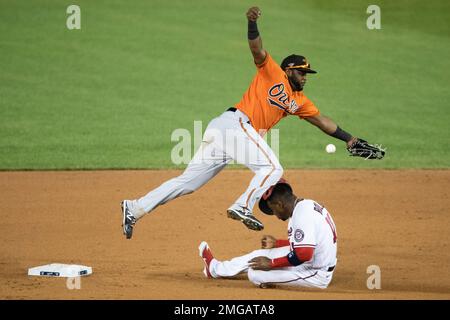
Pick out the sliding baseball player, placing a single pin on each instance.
(306, 259)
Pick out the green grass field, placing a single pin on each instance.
(110, 95)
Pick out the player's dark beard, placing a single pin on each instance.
(295, 84)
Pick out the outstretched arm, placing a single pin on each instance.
(254, 39)
(356, 146)
(331, 128)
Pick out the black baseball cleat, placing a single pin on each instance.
(128, 221)
(246, 217)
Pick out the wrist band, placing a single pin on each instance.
(293, 259)
(253, 32)
(341, 135)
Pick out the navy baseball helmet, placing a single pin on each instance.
(263, 206)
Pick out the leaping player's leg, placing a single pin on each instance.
(251, 150)
(261, 159)
(206, 163)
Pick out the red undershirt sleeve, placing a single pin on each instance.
(303, 254)
(282, 243)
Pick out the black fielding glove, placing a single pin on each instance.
(361, 148)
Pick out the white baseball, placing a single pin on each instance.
(331, 148)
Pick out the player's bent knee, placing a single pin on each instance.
(254, 276)
(278, 172)
(275, 175)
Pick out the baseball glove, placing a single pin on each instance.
(361, 148)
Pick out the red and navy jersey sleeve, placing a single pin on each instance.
(303, 233)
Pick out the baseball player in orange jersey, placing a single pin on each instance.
(274, 93)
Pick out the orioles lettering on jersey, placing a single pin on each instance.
(282, 99)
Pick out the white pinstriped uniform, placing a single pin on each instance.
(311, 225)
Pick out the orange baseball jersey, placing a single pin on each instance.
(271, 98)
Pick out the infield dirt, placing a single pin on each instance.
(397, 220)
